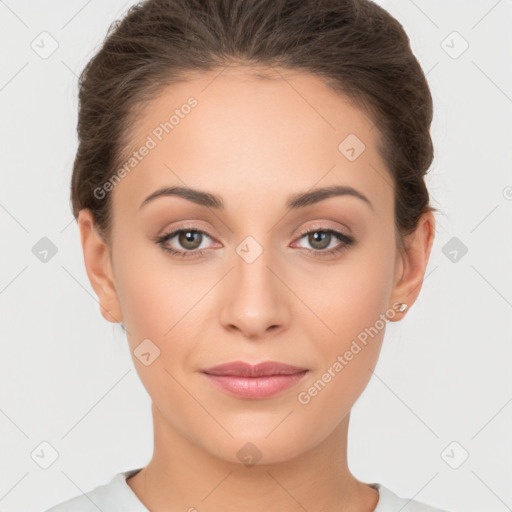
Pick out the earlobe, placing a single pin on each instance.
(414, 263)
(98, 267)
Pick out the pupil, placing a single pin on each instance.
(321, 236)
(189, 239)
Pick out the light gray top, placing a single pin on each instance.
(117, 496)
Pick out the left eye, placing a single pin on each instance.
(321, 239)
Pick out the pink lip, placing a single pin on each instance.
(260, 381)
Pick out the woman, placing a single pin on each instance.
(249, 187)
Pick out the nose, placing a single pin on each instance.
(254, 298)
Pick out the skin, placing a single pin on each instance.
(253, 142)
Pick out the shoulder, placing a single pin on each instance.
(391, 502)
(89, 502)
(113, 496)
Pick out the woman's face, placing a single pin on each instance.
(247, 284)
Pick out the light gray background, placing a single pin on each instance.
(444, 373)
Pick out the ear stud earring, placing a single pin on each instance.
(402, 307)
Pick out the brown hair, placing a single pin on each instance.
(355, 46)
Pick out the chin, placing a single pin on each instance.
(259, 449)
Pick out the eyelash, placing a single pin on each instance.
(346, 240)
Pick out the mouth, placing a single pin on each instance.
(255, 381)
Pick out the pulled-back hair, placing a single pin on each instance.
(355, 46)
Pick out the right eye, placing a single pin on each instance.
(189, 238)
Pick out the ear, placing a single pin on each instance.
(99, 267)
(412, 263)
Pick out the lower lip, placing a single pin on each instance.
(255, 387)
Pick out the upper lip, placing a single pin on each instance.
(242, 369)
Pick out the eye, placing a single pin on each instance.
(321, 239)
(189, 239)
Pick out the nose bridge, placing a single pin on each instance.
(253, 261)
(252, 276)
(255, 300)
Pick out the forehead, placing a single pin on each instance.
(232, 131)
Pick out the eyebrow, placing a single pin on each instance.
(294, 202)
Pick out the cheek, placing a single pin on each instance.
(346, 359)
(351, 295)
(352, 312)
(368, 281)
(145, 290)
(161, 301)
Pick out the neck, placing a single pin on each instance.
(183, 476)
